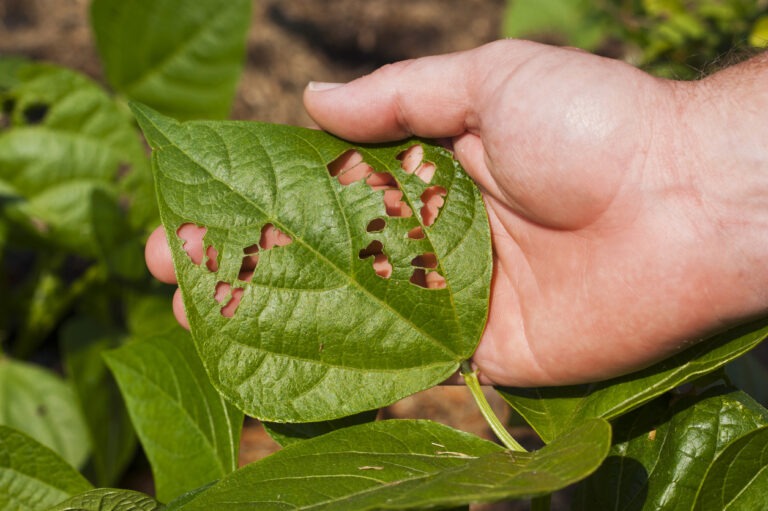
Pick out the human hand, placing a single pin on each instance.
(620, 235)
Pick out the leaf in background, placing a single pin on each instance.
(148, 314)
(32, 477)
(289, 433)
(555, 410)
(188, 57)
(45, 298)
(108, 499)
(319, 334)
(568, 22)
(403, 465)
(82, 343)
(70, 157)
(189, 433)
(739, 477)
(661, 451)
(9, 68)
(40, 404)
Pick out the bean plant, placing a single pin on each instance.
(680, 39)
(322, 281)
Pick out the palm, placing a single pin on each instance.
(579, 209)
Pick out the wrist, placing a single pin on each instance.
(725, 145)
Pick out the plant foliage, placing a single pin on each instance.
(322, 280)
(671, 38)
(315, 322)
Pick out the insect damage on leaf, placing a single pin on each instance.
(320, 278)
(351, 168)
(228, 294)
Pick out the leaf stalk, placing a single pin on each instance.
(470, 378)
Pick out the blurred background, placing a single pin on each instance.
(294, 41)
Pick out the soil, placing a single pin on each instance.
(291, 43)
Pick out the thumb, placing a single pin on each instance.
(429, 97)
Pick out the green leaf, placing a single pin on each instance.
(573, 22)
(149, 314)
(33, 477)
(404, 465)
(662, 450)
(289, 433)
(112, 436)
(739, 477)
(9, 71)
(70, 161)
(42, 405)
(318, 333)
(555, 410)
(188, 59)
(190, 434)
(108, 499)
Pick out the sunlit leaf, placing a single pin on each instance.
(32, 477)
(317, 332)
(403, 465)
(108, 499)
(189, 433)
(739, 477)
(663, 449)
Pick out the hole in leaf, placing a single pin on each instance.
(419, 277)
(394, 204)
(229, 298)
(35, 113)
(373, 248)
(427, 279)
(426, 260)
(417, 233)
(350, 168)
(413, 163)
(376, 225)
(344, 162)
(381, 264)
(212, 258)
(192, 236)
(272, 237)
(433, 199)
(435, 281)
(382, 181)
(250, 260)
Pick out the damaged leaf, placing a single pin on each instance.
(320, 278)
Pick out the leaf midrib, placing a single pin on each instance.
(129, 88)
(208, 441)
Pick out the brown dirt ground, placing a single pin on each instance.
(291, 43)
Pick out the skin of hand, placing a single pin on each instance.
(629, 214)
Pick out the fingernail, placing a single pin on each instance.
(321, 86)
